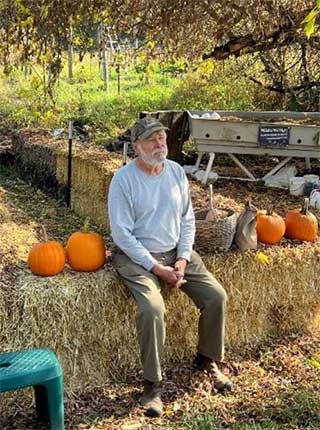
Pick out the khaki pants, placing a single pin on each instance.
(207, 294)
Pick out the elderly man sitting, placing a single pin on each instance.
(152, 225)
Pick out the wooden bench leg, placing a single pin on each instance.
(308, 164)
(197, 165)
(209, 166)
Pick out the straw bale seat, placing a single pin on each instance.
(88, 319)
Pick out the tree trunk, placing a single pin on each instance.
(70, 54)
(104, 57)
(105, 66)
(135, 52)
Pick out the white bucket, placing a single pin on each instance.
(296, 186)
(315, 198)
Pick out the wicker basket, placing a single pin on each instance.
(217, 234)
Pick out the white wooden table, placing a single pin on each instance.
(256, 133)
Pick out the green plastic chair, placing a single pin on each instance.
(40, 369)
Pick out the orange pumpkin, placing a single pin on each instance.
(85, 251)
(301, 224)
(270, 227)
(46, 258)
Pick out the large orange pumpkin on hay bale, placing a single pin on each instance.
(270, 227)
(301, 224)
(85, 251)
(46, 258)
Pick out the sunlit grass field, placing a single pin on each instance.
(24, 101)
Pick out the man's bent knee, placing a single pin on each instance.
(219, 294)
(152, 311)
(222, 295)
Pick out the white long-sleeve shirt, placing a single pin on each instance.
(151, 213)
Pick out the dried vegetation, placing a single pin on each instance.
(88, 319)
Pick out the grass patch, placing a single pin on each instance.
(207, 421)
(23, 101)
(84, 99)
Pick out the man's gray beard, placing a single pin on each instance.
(150, 159)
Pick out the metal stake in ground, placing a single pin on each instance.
(69, 163)
(125, 153)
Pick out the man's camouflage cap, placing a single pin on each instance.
(143, 128)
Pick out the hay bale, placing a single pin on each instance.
(4, 313)
(44, 161)
(35, 157)
(88, 319)
(278, 298)
(90, 184)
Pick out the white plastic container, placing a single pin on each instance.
(315, 198)
(296, 186)
(215, 115)
(208, 115)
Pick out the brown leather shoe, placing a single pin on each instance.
(151, 400)
(220, 381)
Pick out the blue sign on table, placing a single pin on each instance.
(273, 135)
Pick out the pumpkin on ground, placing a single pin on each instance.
(301, 224)
(270, 227)
(85, 251)
(46, 258)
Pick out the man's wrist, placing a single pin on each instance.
(156, 269)
(182, 259)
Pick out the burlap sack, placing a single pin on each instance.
(246, 234)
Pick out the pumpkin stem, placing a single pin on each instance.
(269, 211)
(43, 232)
(305, 207)
(86, 225)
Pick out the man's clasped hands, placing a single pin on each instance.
(173, 276)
